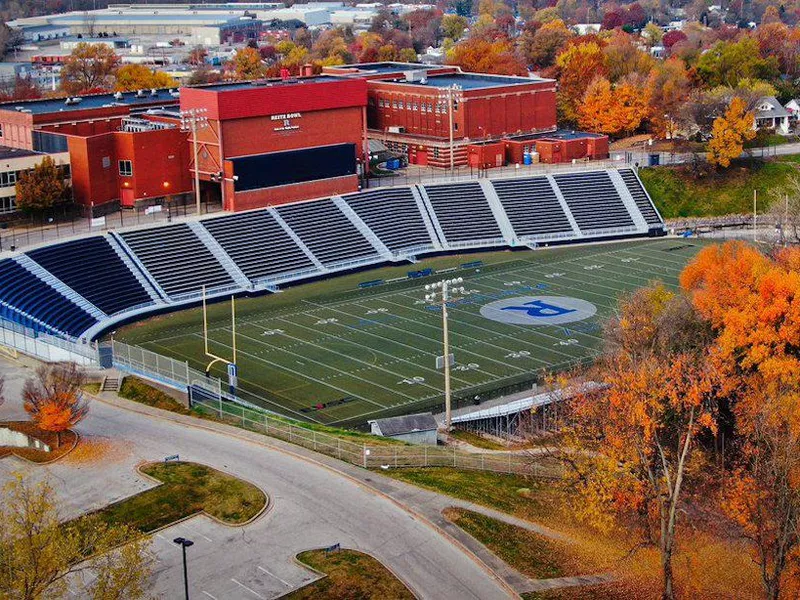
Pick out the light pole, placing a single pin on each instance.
(184, 544)
(449, 98)
(191, 120)
(442, 292)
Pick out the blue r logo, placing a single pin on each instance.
(540, 309)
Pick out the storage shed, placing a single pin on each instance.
(414, 429)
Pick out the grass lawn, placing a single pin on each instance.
(705, 566)
(350, 574)
(186, 489)
(332, 354)
(677, 193)
(137, 390)
(529, 553)
(59, 444)
(473, 439)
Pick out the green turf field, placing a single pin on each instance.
(332, 353)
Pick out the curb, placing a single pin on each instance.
(169, 417)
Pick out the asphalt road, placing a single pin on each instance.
(311, 506)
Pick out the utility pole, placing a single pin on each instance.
(442, 292)
(755, 216)
(192, 120)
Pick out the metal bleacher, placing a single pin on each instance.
(594, 201)
(532, 207)
(31, 302)
(394, 216)
(79, 289)
(112, 289)
(258, 245)
(177, 259)
(464, 214)
(640, 196)
(328, 233)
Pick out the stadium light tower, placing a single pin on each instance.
(443, 292)
(192, 120)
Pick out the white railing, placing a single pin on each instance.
(46, 347)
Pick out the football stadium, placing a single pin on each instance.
(331, 324)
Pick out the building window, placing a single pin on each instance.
(1, 130)
(455, 126)
(435, 153)
(394, 104)
(400, 104)
(8, 179)
(430, 107)
(455, 104)
(8, 204)
(125, 168)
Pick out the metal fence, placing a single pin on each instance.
(161, 369)
(47, 347)
(369, 456)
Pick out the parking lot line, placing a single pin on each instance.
(284, 582)
(248, 589)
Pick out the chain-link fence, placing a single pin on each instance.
(370, 455)
(161, 369)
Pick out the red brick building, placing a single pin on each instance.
(271, 142)
(561, 146)
(124, 147)
(412, 108)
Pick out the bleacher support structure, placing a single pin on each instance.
(60, 290)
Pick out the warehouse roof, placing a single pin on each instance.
(473, 81)
(406, 424)
(93, 101)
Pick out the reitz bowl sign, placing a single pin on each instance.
(538, 310)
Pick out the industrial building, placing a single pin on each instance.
(434, 113)
(271, 142)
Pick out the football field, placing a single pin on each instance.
(333, 353)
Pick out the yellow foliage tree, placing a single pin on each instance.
(138, 77)
(729, 133)
(247, 65)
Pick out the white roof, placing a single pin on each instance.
(528, 403)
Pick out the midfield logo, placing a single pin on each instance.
(538, 310)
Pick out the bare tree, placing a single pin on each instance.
(785, 210)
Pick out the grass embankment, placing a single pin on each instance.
(59, 444)
(478, 441)
(186, 489)
(677, 192)
(705, 566)
(350, 574)
(137, 390)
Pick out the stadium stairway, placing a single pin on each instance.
(141, 270)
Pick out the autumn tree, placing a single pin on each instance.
(577, 66)
(484, 56)
(197, 55)
(40, 188)
(638, 438)
(41, 556)
(247, 65)
(454, 26)
(89, 67)
(613, 111)
(729, 133)
(54, 398)
(137, 77)
(541, 46)
(726, 63)
(669, 87)
(752, 301)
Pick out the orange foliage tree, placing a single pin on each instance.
(753, 304)
(729, 133)
(53, 398)
(613, 110)
(637, 439)
(481, 55)
(580, 63)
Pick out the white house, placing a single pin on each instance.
(793, 108)
(769, 114)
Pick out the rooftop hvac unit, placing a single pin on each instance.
(118, 95)
(154, 92)
(416, 76)
(175, 94)
(397, 129)
(74, 100)
(140, 94)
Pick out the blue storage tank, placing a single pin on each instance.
(526, 158)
